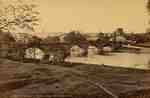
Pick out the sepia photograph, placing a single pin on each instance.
(74, 48)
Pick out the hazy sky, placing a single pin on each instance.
(93, 15)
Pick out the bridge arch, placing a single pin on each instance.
(55, 52)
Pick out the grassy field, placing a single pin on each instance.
(28, 80)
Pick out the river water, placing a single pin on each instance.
(133, 60)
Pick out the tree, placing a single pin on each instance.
(103, 40)
(120, 32)
(18, 15)
(35, 40)
(52, 39)
(75, 38)
(148, 5)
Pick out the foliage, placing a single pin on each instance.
(52, 39)
(6, 37)
(148, 5)
(75, 38)
(18, 15)
(35, 40)
(102, 40)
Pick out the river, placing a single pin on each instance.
(133, 60)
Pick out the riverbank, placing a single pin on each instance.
(30, 80)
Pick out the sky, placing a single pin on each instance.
(93, 15)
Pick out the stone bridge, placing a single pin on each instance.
(18, 51)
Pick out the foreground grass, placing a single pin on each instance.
(68, 80)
